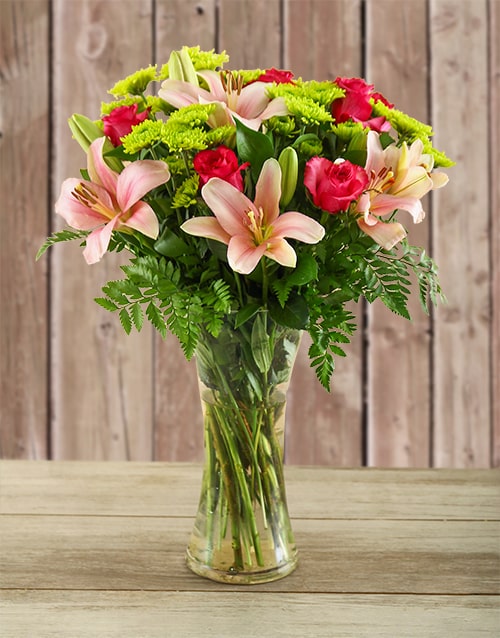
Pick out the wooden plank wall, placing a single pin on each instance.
(418, 394)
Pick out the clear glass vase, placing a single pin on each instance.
(242, 532)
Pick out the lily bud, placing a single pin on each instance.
(84, 131)
(188, 69)
(180, 67)
(289, 164)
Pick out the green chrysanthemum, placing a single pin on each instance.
(145, 135)
(134, 84)
(153, 103)
(186, 193)
(345, 131)
(202, 60)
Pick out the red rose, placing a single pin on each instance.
(220, 162)
(276, 75)
(334, 185)
(356, 106)
(121, 120)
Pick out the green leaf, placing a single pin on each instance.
(137, 315)
(125, 320)
(246, 313)
(295, 314)
(105, 303)
(155, 316)
(261, 348)
(305, 271)
(253, 147)
(169, 245)
(63, 235)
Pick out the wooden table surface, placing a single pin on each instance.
(97, 550)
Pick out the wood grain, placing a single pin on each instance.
(159, 489)
(24, 188)
(462, 347)
(229, 614)
(178, 426)
(494, 42)
(101, 379)
(399, 370)
(323, 41)
(75, 386)
(96, 549)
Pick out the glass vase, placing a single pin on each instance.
(242, 532)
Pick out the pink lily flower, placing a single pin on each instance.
(250, 103)
(111, 201)
(252, 230)
(398, 178)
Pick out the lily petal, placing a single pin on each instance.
(281, 251)
(386, 235)
(99, 171)
(228, 204)
(76, 214)
(98, 241)
(215, 88)
(243, 255)
(268, 190)
(299, 226)
(253, 100)
(178, 93)
(384, 204)
(206, 227)
(144, 220)
(137, 179)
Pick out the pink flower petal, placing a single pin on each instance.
(76, 214)
(144, 220)
(99, 171)
(276, 107)
(207, 227)
(228, 204)
(98, 241)
(268, 190)
(385, 204)
(386, 235)
(252, 100)
(243, 255)
(137, 179)
(281, 251)
(178, 93)
(215, 88)
(298, 226)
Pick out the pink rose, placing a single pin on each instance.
(121, 120)
(276, 75)
(356, 106)
(334, 185)
(220, 162)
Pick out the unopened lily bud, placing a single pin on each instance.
(188, 69)
(180, 67)
(84, 130)
(289, 164)
(175, 66)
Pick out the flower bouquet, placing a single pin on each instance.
(254, 206)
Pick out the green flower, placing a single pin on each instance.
(134, 84)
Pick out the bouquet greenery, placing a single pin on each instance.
(254, 206)
(204, 183)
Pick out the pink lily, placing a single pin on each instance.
(252, 230)
(111, 201)
(398, 178)
(250, 103)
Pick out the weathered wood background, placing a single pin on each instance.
(74, 386)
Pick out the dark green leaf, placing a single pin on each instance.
(253, 147)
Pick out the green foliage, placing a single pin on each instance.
(62, 235)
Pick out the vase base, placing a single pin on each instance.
(235, 577)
